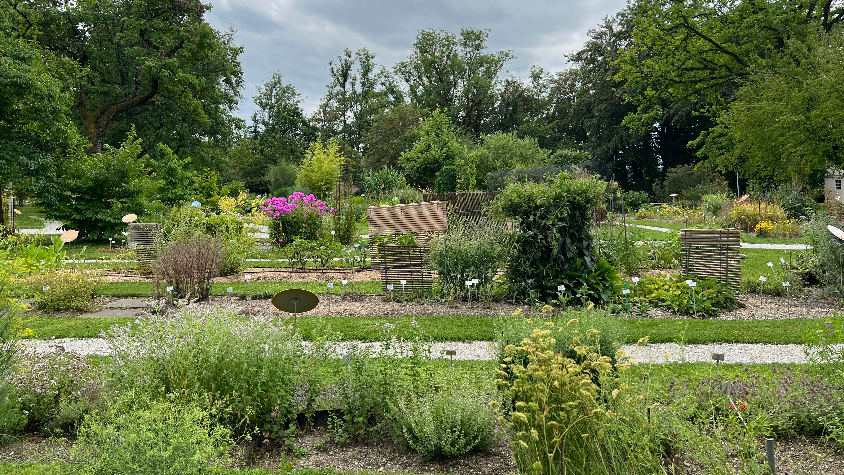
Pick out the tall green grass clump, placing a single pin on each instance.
(574, 417)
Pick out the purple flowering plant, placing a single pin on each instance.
(298, 215)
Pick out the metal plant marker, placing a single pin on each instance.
(717, 357)
(403, 283)
(769, 451)
(626, 293)
(343, 283)
(295, 301)
(328, 295)
(247, 278)
(451, 354)
(762, 280)
(787, 286)
(469, 289)
(390, 288)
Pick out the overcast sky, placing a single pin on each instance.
(297, 38)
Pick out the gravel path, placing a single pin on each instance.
(50, 227)
(485, 350)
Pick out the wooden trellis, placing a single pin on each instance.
(469, 205)
(408, 263)
(142, 240)
(423, 220)
(712, 254)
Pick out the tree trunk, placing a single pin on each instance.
(97, 122)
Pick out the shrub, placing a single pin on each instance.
(787, 228)
(96, 192)
(446, 180)
(249, 371)
(437, 147)
(445, 424)
(379, 183)
(12, 419)
(829, 265)
(295, 216)
(633, 200)
(795, 203)
(748, 214)
(691, 183)
(496, 181)
(56, 391)
(137, 435)
(65, 290)
(188, 266)
(716, 206)
(469, 251)
(185, 222)
(554, 244)
(580, 410)
(320, 170)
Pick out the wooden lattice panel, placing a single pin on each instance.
(420, 219)
(713, 254)
(408, 263)
(142, 239)
(468, 205)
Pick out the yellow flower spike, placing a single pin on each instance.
(643, 341)
(573, 321)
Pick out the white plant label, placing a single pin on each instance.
(468, 283)
(625, 291)
(771, 265)
(689, 282)
(762, 278)
(692, 284)
(248, 276)
(229, 289)
(389, 286)
(786, 284)
(169, 288)
(475, 281)
(635, 280)
(782, 260)
(344, 282)
(561, 288)
(45, 288)
(403, 282)
(330, 285)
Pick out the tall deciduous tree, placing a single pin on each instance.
(359, 91)
(454, 74)
(155, 58)
(438, 147)
(38, 139)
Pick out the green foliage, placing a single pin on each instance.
(246, 371)
(139, 435)
(795, 203)
(12, 419)
(503, 152)
(391, 134)
(824, 346)
(186, 222)
(829, 265)
(65, 290)
(469, 251)
(717, 206)
(690, 182)
(282, 178)
(446, 180)
(438, 147)
(320, 170)
(188, 266)
(445, 424)
(570, 417)
(554, 244)
(175, 184)
(496, 181)
(748, 214)
(674, 294)
(380, 182)
(38, 138)
(207, 189)
(100, 190)
(34, 256)
(55, 392)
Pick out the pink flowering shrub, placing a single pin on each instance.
(295, 216)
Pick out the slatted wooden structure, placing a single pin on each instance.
(469, 205)
(713, 254)
(408, 263)
(420, 219)
(142, 239)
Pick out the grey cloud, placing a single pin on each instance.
(299, 37)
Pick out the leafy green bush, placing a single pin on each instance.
(188, 267)
(829, 266)
(437, 147)
(248, 370)
(554, 243)
(690, 182)
(320, 170)
(674, 294)
(633, 200)
(12, 418)
(137, 435)
(102, 188)
(569, 417)
(469, 251)
(503, 152)
(716, 206)
(445, 424)
(186, 222)
(795, 203)
(748, 214)
(65, 290)
(379, 183)
(446, 180)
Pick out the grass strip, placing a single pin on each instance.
(71, 327)
(466, 328)
(64, 468)
(261, 289)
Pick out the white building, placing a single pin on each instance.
(832, 183)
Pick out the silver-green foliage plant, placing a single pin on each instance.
(574, 417)
(445, 424)
(248, 371)
(470, 251)
(65, 290)
(138, 435)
